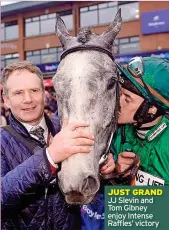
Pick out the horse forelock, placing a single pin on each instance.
(84, 35)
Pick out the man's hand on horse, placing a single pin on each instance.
(125, 159)
(108, 166)
(70, 140)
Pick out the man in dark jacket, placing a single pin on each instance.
(31, 198)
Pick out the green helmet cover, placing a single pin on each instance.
(156, 75)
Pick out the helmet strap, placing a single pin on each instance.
(143, 115)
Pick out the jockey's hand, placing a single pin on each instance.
(69, 141)
(108, 166)
(125, 159)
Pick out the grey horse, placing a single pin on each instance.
(86, 87)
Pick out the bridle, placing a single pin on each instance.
(112, 176)
(114, 121)
(86, 47)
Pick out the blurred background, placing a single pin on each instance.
(28, 30)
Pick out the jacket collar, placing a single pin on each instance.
(19, 127)
(41, 124)
(157, 130)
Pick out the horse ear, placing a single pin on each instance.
(62, 32)
(109, 35)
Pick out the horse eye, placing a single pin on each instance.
(110, 83)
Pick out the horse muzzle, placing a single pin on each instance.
(80, 189)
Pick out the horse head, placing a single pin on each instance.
(86, 85)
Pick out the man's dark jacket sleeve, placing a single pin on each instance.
(23, 181)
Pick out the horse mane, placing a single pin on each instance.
(84, 35)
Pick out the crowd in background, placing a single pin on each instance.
(50, 107)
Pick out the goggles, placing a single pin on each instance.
(136, 69)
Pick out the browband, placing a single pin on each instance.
(86, 47)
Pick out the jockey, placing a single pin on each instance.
(143, 129)
(143, 119)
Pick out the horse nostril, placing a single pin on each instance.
(74, 197)
(90, 185)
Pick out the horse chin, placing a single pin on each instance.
(76, 198)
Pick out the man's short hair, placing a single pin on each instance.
(19, 66)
